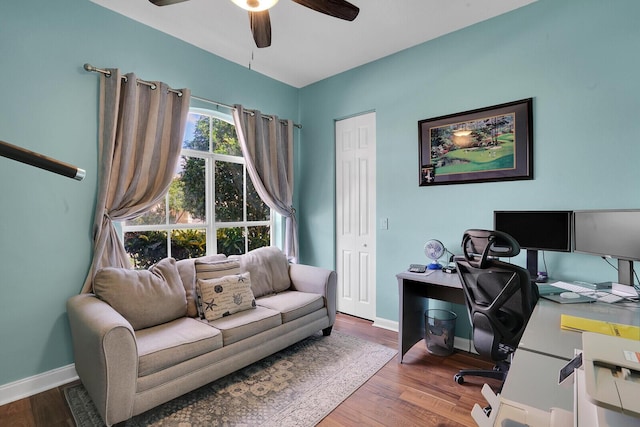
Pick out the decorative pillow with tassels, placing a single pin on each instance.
(212, 270)
(225, 296)
(187, 270)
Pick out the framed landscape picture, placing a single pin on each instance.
(488, 144)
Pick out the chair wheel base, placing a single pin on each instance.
(458, 378)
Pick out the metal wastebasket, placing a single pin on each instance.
(440, 331)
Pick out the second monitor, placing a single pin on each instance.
(536, 231)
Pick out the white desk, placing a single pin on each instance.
(531, 389)
(543, 333)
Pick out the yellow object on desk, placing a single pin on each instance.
(573, 323)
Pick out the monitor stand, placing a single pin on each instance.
(625, 272)
(532, 264)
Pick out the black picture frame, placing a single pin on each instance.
(484, 145)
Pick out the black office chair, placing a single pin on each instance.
(499, 296)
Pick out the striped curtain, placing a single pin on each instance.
(267, 147)
(140, 137)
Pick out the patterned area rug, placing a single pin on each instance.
(298, 386)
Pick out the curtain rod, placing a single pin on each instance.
(89, 67)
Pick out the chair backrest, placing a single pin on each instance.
(499, 296)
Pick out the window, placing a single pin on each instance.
(211, 206)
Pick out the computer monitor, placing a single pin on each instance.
(536, 231)
(610, 234)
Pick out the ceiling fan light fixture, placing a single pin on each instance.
(255, 5)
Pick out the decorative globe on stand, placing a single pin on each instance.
(434, 249)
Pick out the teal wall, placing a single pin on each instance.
(48, 104)
(577, 59)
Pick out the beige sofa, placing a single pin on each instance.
(140, 341)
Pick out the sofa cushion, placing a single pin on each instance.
(165, 345)
(246, 323)
(214, 269)
(292, 304)
(187, 270)
(144, 297)
(225, 296)
(269, 270)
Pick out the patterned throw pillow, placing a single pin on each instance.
(187, 269)
(225, 296)
(213, 270)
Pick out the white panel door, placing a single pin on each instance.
(356, 215)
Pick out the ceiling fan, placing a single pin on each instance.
(260, 22)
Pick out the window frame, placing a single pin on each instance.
(210, 225)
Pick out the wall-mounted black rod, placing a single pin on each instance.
(40, 161)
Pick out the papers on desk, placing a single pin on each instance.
(580, 324)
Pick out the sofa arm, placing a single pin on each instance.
(106, 356)
(307, 278)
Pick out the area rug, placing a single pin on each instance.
(297, 386)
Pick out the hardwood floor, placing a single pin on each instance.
(44, 409)
(419, 392)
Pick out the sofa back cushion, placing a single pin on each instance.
(269, 270)
(187, 270)
(144, 297)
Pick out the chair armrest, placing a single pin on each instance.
(317, 280)
(106, 355)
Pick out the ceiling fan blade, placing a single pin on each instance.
(165, 2)
(261, 28)
(336, 8)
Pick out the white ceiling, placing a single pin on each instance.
(308, 46)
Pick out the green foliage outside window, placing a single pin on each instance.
(187, 198)
(148, 247)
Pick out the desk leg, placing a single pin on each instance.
(412, 327)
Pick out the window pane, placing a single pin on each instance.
(189, 198)
(177, 214)
(190, 192)
(257, 210)
(191, 243)
(196, 135)
(225, 140)
(230, 240)
(259, 236)
(145, 247)
(229, 194)
(157, 215)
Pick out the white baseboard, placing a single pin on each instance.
(391, 325)
(36, 384)
(464, 345)
(458, 343)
